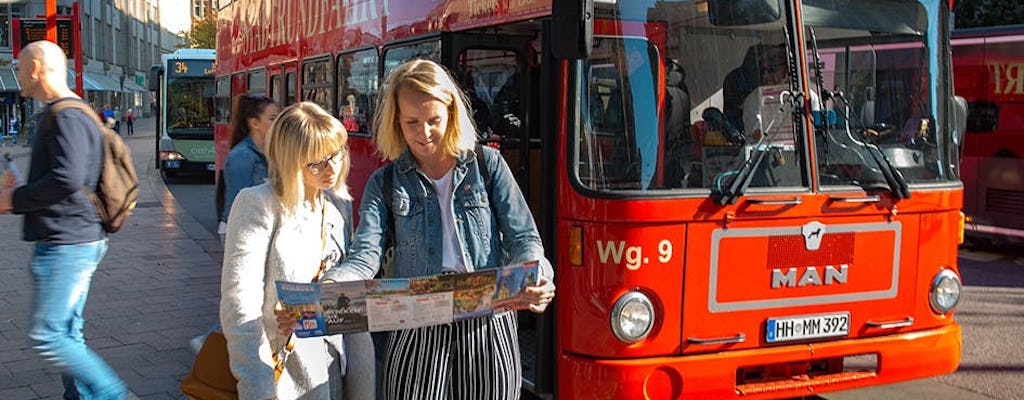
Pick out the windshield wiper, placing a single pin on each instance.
(893, 178)
(760, 149)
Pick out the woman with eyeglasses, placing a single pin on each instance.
(444, 217)
(290, 229)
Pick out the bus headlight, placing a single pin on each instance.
(171, 155)
(632, 317)
(944, 294)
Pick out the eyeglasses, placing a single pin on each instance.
(318, 167)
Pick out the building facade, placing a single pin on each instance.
(200, 7)
(121, 40)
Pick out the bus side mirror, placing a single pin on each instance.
(572, 28)
(154, 77)
(743, 12)
(959, 120)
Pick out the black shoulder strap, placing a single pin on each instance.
(481, 164)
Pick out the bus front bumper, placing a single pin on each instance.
(897, 357)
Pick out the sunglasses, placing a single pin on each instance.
(318, 167)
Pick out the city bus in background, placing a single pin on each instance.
(185, 109)
(742, 199)
(988, 66)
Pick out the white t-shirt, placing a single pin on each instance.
(451, 259)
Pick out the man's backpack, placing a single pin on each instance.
(118, 187)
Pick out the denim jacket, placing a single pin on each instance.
(493, 230)
(245, 166)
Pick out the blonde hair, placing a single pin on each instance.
(303, 133)
(431, 79)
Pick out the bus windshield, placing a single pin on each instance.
(190, 107)
(680, 96)
(879, 114)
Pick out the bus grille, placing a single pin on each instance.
(1004, 201)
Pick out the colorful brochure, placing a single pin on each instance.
(393, 304)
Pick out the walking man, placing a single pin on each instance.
(61, 220)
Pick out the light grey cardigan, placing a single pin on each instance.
(263, 246)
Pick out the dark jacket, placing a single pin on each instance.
(66, 156)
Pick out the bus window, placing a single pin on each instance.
(222, 100)
(623, 117)
(491, 82)
(190, 105)
(879, 69)
(257, 82)
(275, 87)
(289, 82)
(357, 90)
(396, 55)
(316, 82)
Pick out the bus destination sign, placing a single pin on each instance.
(189, 68)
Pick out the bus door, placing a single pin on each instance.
(500, 78)
(496, 74)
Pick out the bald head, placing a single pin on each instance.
(43, 71)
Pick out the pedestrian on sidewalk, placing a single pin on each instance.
(129, 120)
(288, 228)
(245, 166)
(425, 128)
(61, 220)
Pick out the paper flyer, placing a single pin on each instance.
(303, 301)
(392, 304)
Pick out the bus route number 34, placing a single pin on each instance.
(632, 257)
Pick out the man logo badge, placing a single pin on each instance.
(812, 233)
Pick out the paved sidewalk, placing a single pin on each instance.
(157, 287)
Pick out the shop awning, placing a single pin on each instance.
(88, 84)
(103, 82)
(130, 85)
(9, 80)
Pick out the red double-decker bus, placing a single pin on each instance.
(988, 65)
(743, 199)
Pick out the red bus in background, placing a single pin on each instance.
(988, 66)
(750, 199)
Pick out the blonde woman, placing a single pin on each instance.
(446, 219)
(282, 230)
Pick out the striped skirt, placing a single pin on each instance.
(473, 359)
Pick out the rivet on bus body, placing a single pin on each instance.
(576, 245)
(729, 217)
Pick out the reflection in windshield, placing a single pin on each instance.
(669, 100)
(190, 106)
(623, 111)
(879, 124)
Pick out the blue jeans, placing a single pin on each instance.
(61, 274)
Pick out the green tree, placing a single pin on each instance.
(978, 13)
(203, 33)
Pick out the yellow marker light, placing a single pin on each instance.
(576, 245)
(963, 222)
